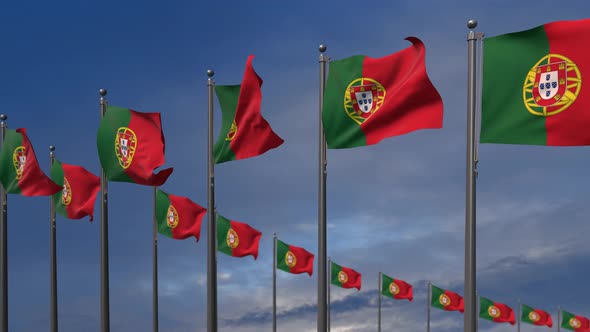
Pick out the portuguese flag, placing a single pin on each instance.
(574, 322)
(446, 300)
(20, 172)
(178, 217)
(532, 86)
(396, 288)
(293, 259)
(80, 187)
(237, 239)
(384, 97)
(345, 277)
(131, 147)
(496, 311)
(536, 316)
(244, 132)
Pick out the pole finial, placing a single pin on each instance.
(322, 48)
(51, 148)
(3, 117)
(102, 92)
(210, 72)
(472, 23)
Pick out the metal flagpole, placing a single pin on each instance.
(328, 292)
(211, 232)
(379, 303)
(3, 243)
(428, 302)
(470, 317)
(322, 246)
(274, 282)
(558, 318)
(519, 313)
(104, 237)
(155, 269)
(52, 253)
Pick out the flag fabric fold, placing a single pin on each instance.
(244, 132)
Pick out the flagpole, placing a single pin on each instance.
(274, 282)
(211, 232)
(104, 236)
(470, 317)
(558, 318)
(379, 302)
(52, 253)
(322, 238)
(155, 269)
(328, 292)
(3, 243)
(519, 313)
(428, 302)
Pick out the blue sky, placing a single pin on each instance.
(396, 207)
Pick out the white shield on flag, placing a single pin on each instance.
(124, 146)
(21, 163)
(365, 100)
(548, 85)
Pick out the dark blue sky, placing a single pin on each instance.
(397, 207)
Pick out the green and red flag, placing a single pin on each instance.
(293, 259)
(369, 99)
(396, 288)
(80, 187)
(536, 316)
(532, 86)
(131, 146)
(495, 311)
(345, 277)
(20, 172)
(237, 239)
(178, 217)
(574, 322)
(244, 132)
(446, 300)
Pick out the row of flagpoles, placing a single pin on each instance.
(126, 141)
